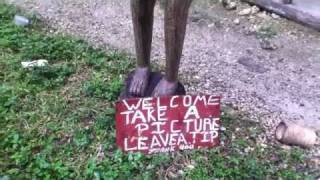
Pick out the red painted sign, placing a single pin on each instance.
(166, 124)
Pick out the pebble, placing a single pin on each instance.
(223, 128)
(245, 12)
(275, 16)
(229, 5)
(172, 175)
(236, 21)
(268, 45)
(263, 15)
(190, 166)
(255, 10)
(250, 31)
(252, 19)
(180, 172)
(212, 25)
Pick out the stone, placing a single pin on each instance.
(212, 25)
(190, 166)
(252, 19)
(275, 16)
(314, 162)
(236, 21)
(245, 12)
(251, 30)
(263, 15)
(232, 6)
(268, 45)
(229, 5)
(254, 10)
(196, 17)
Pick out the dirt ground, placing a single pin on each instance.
(222, 53)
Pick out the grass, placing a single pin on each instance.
(267, 31)
(57, 122)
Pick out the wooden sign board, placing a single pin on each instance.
(166, 124)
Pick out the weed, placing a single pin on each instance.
(267, 32)
(102, 88)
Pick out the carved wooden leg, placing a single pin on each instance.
(176, 15)
(142, 18)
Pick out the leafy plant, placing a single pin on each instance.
(266, 32)
(100, 87)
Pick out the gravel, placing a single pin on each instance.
(220, 57)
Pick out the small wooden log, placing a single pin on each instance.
(293, 134)
(289, 12)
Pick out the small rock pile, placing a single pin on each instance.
(252, 13)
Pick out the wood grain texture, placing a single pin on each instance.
(155, 77)
(289, 12)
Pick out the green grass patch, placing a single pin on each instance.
(57, 122)
(267, 31)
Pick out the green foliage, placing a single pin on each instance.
(7, 98)
(235, 160)
(267, 31)
(49, 76)
(100, 87)
(57, 122)
(6, 12)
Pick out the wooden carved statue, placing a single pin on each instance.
(176, 14)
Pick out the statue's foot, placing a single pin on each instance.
(139, 81)
(165, 88)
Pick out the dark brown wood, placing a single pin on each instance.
(142, 18)
(289, 12)
(176, 15)
(154, 79)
